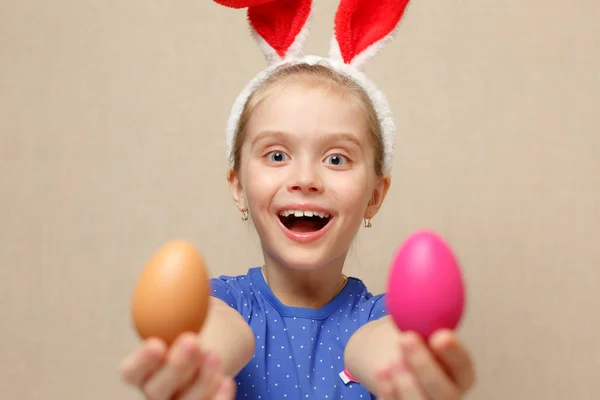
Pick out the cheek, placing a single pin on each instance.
(353, 192)
(259, 187)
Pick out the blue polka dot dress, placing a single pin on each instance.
(299, 351)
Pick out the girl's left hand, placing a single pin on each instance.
(439, 370)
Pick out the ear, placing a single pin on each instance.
(237, 191)
(379, 193)
(363, 27)
(280, 28)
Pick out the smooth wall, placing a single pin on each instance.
(112, 127)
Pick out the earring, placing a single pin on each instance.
(244, 214)
(367, 222)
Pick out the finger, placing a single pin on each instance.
(455, 358)
(137, 367)
(406, 385)
(182, 363)
(385, 385)
(226, 390)
(206, 383)
(429, 374)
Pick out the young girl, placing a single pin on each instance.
(310, 149)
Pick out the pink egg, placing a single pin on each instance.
(425, 290)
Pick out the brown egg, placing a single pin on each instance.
(172, 293)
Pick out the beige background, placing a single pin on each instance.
(112, 117)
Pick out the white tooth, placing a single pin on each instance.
(300, 213)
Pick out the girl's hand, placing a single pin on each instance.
(441, 370)
(184, 372)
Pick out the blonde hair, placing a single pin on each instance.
(315, 75)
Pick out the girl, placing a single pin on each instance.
(310, 144)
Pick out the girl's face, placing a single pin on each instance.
(307, 176)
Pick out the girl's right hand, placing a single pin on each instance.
(183, 372)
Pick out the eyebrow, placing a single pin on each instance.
(341, 136)
(268, 135)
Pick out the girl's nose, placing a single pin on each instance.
(307, 179)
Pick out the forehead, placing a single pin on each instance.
(309, 112)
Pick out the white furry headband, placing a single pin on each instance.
(362, 28)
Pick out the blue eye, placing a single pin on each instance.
(277, 156)
(336, 159)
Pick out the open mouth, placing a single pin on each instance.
(304, 221)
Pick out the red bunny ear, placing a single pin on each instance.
(280, 27)
(241, 3)
(364, 24)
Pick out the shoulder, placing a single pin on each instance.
(233, 281)
(368, 306)
(232, 287)
(237, 291)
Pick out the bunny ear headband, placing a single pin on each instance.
(362, 28)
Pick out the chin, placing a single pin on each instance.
(302, 259)
(309, 255)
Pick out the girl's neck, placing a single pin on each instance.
(301, 288)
